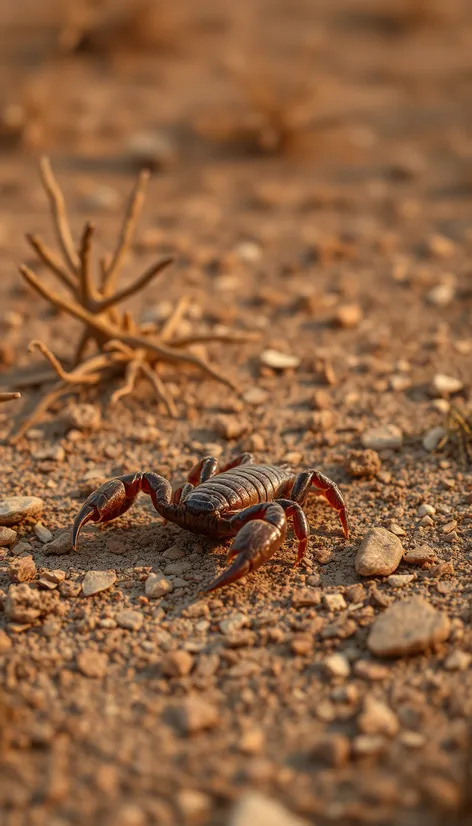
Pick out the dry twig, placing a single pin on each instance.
(122, 347)
(8, 397)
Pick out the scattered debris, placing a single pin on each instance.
(122, 347)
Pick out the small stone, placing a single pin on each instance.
(449, 527)
(380, 438)
(229, 427)
(92, 664)
(400, 382)
(255, 809)
(400, 580)
(426, 521)
(23, 604)
(255, 396)
(336, 665)
(369, 745)
(177, 664)
(301, 645)
(458, 661)
(408, 627)
(446, 385)
(22, 569)
(425, 509)
(379, 553)
(442, 294)
(50, 627)
(44, 534)
(194, 715)
(84, 417)
(396, 529)
(412, 739)
(321, 399)
(248, 251)
(61, 544)
(370, 671)
(131, 620)
(377, 718)
(5, 642)
(52, 453)
(157, 586)
(433, 437)
(233, 623)
(7, 537)
(56, 577)
(279, 361)
(193, 805)
(305, 597)
(70, 589)
(355, 593)
(348, 316)
(420, 555)
(362, 463)
(334, 602)
(440, 246)
(15, 509)
(94, 582)
(320, 421)
(251, 741)
(331, 749)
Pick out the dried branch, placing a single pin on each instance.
(122, 347)
(8, 397)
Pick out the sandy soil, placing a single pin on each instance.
(350, 250)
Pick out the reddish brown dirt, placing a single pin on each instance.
(374, 210)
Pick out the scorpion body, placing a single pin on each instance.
(248, 501)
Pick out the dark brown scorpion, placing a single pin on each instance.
(248, 501)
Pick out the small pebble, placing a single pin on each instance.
(333, 749)
(380, 438)
(15, 509)
(92, 663)
(52, 453)
(94, 582)
(279, 361)
(369, 745)
(131, 620)
(233, 623)
(229, 427)
(379, 553)
(377, 718)
(348, 316)
(442, 294)
(433, 437)
(400, 580)
(157, 586)
(425, 509)
(7, 537)
(61, 543)
(177, 664)
(334, 602)
(336, 665)
(446, 385)
(44, 534)
(22, 569)
(305, 597)
(255, 809)
(194, 715)
(458, 661)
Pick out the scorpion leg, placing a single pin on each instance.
(208, 467)
(116, 496)
(329, 489)
(260, 530)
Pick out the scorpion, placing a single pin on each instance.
(241, 499)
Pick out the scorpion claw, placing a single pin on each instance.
(88, 513)
(240, 567)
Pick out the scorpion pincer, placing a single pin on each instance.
(243, 500)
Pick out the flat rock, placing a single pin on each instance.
(157, 586)
(96, 581)
(446, 385)
(379, 553)
(420, 555)
(408, 627)
(255, 808)
(61, 544)
(380, 438)
(14, 509)
(131, 620)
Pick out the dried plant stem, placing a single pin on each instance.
(8, 397)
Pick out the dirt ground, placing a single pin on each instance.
(337, 224)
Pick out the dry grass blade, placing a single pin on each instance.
(458, 436)
(123, 348)
(8, 397)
